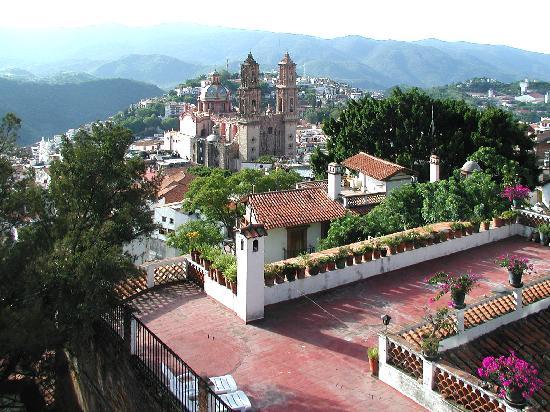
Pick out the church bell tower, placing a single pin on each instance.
(286, 103)
(250, 94)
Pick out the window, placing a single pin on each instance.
(291, 105)
(253, 149)
(270, 130)
(164, 218)
(255, 245)
(242, 244)
(171, 221)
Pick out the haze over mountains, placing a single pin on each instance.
(157, 54)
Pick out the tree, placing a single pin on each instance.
(195, 233)
(502, 169)
(399, 129)
(9, 127)
(218, 196)
(59, 277)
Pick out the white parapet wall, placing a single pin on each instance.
(331, 279)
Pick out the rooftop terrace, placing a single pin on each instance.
(310, 353)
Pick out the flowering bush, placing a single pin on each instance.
(518, 192)
(515, 264)
(449, 282)
(511, 372)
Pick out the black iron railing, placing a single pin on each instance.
(176, 386)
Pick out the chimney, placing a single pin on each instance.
(334, 180)
(434, 168)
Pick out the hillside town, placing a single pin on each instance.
(284, 264)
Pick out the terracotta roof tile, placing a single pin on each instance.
(375, 167)
(174, 185)
(294, 207)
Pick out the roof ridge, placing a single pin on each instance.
(382, 160)
(286, 190)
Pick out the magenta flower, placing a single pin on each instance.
(517, 192)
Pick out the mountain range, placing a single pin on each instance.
(47, 108)
(170, 53)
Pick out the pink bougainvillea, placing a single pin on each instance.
(517, 192)
(511, 372)
(515, 264)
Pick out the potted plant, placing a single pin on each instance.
(341, 256)
(468, 228)
(301, 269)
(457, 227)
(372, 353)
(509, 216)
(230, 274)
(367, 250)
(392, 242)
(322, 261)
(269, 275)
(289, 270)
(376, 248)
(476, 223)
(485, 224)
(331, 262)
(408, 239)
(457, 285)
(278, 273)
(438, 322)
(517, 266)
(516, 194)
(423, 239)
(497, 221)
(544, 231)
(401, 245)
(357, 254)
(383, 250)
(517, 379)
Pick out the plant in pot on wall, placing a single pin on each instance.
(341, 256)
(544, 231)
(366, 249)
(485, 224)
(457, 285)
(509, 216)
(516, 194)
(312, 265)
(438, 324)
(372, 353)
(517, 266)
(409, 240)
(278, 273)
(457, 227)
(357, 254)
(517, 379)
(269, 274)
(392, 243)
(289, 269)
(230, 274)
(301, 265)
(475, 224)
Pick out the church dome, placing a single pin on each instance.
(214, 92)
(470, 166)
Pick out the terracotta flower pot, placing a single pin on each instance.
(349, 260)
(323, 267)
(392, 249)
(331, 265)
(498, 222)
(357, 259)
(301, 273)
(280, 279)
(450, 235)
(430, 241)
(376, 254)
(373, 364)
(485, 225)
(269, 281)
(470, 230)
(221, 278)
(367, 256)
(457, 234)
(233, 286)
(401, 247)
(409, 246)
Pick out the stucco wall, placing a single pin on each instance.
(276, 241)
(328, 280)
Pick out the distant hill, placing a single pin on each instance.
(361, 61)
(161, 70)
(48, 109)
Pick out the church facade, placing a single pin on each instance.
(214, 134)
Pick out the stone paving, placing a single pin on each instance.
(310, 353)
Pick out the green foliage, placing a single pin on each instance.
(372, 352)
(195, 235)
(47, 109)
(398, 129)
(218, 194)
(59, 277)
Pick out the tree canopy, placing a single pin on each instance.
(218, 194)
(399, 128)
(58, 276)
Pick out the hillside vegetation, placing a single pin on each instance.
(48, 109)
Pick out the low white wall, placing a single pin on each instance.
(216, 291)
(332, 279)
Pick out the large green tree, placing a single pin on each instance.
(58, 277)
(399, 128)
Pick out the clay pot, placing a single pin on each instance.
(221, 278)
(373, 364)
(269, 281)
(357, 259)
(498, 222)
(367, 257)
(349, 260)
(301, 273)
(485, 225)
(376, 254)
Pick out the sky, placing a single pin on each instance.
(507, 22)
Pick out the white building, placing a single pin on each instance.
(174, 109)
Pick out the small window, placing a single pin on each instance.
(242, 244)
(164, 218)
(171, 221)
(270, 130)
(255, 245)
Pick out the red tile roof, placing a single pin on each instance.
(374, 167)
(294, 207)
(175, 184)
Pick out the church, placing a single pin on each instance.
(214, 133)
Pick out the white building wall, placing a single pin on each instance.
(274, 244)
(372, 185)
(397, 181)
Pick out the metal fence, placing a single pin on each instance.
(176, 386)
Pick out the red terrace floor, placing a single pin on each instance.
(308, 357)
